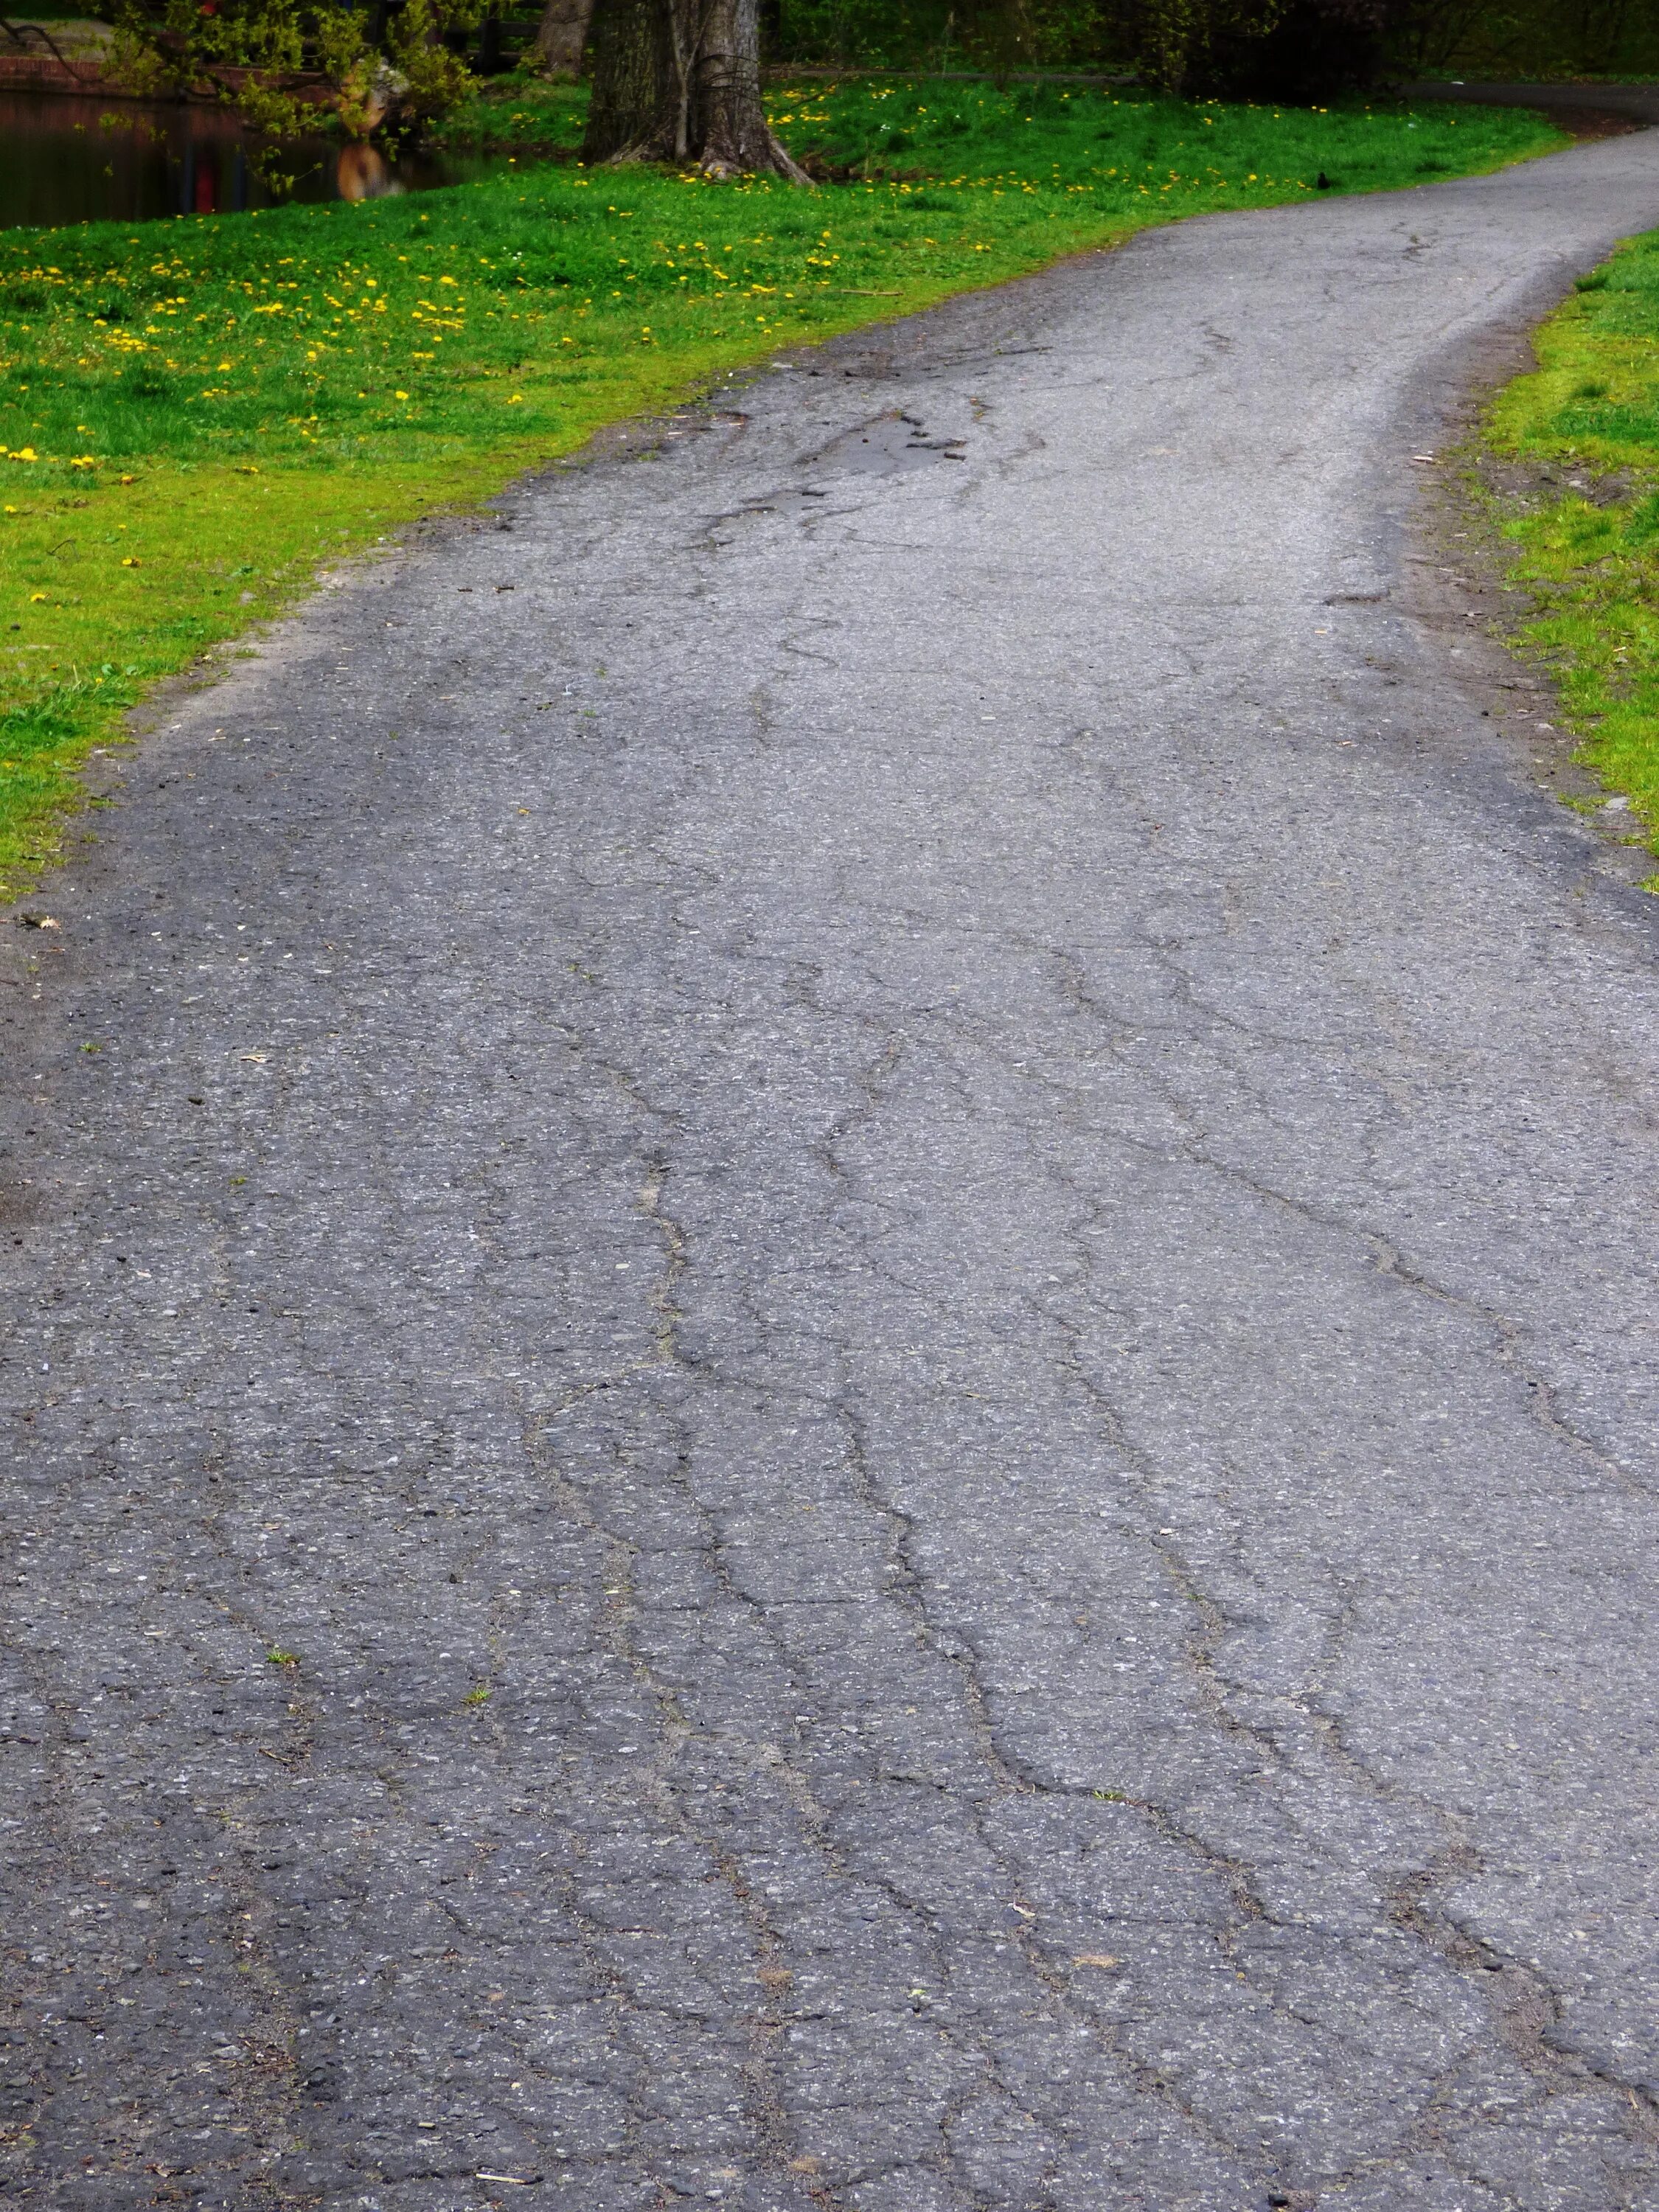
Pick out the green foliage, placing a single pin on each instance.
(1169, 43)
(1591, 412)
(1177, 43)
(949, 34)
(194, 415)
(871, 33)
(1184, 40)
(1530, 39)
(277, 62)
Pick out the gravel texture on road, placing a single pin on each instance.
(829, 1277)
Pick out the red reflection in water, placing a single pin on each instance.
(69, 158)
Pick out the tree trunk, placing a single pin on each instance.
(679, 81)
(562, 37)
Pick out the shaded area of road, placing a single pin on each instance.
(1634, 105)
(830, 1300)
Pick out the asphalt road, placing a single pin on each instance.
(1578, 99)
(831, 1319)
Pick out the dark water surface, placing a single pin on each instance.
(65, 158)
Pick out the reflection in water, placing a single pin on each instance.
(66, 158)
(363, 172)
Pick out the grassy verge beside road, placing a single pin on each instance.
(1589, 554)
(194, 415)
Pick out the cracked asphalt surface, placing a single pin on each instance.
(830, 1300)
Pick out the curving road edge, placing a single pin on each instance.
(829, 1282)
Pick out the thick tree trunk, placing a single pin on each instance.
(562, 37)
(679, 81)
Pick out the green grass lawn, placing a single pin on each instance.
(1591, 564)
(196, 413)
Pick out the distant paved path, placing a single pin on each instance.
(1572, 98)
(946, 1166)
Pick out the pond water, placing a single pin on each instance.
(68, 159)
